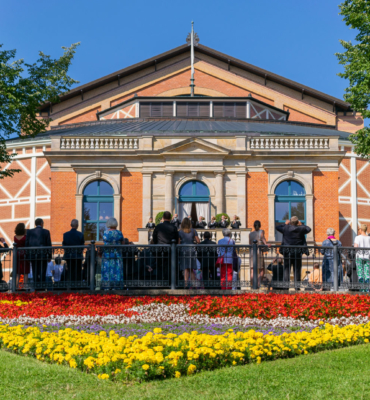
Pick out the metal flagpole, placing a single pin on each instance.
(192, 60)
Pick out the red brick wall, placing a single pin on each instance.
(84, 117)
(257, 201)
(300, 116)
(203, 80)
(325, 203)
(63, 203)
(131, 204)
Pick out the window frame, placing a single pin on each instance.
(96, 199)
(194, 197)
(290, 199)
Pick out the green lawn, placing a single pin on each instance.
(339, 374)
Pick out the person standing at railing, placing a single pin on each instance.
(3, 247)
(259, 235)
(164, 234)
(201, 223)
(39, 237)
(150, 224)
(112, 262)
(175, 221)
(363, 257)
(224, 223)
(207, 257)
(23, 265)
(294, 234)
(235, 223)
(277, 269)
(328, 260)
(188, 258)
(212, 224)
(73, 257)
(225, 259)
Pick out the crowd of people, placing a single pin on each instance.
(201, 263)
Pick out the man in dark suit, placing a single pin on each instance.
(293, 235)
(73, 257)
(39, 237)
(164, 233)
(175, 221)
(201, 224)
(207, 257)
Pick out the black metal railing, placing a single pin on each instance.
(192, 266)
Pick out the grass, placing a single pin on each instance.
(339, 374)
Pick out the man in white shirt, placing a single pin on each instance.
(363, 257)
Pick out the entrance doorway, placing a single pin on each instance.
(194, 201)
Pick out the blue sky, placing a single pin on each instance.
(294, 38)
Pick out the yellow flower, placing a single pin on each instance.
(191, 369)
(145, 367)
(321, 323)
(157, 330)
(103, 376)
(117, 371)
(177, 374)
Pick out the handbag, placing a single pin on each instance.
(220, 260)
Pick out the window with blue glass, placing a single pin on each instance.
(97, 209)
(290, 200)
(194, 191)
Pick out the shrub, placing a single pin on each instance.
(218, 218)
(159, 217)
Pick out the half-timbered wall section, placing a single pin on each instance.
(26, 195)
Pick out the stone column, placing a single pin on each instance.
(147, 197)
(271, 214)
(219, 201)
(79, 208)
(168, 201)
(117, 208)
(241, 189)
(309, 216)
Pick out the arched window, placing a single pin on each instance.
(290, 200)
(97, 209)
(194, 191)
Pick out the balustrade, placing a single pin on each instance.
(70, 143)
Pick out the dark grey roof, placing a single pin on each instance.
(191, 127)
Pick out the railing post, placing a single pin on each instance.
(255, 265)
(173, 264)
(92, 265)
(14, 268)
(335, 260)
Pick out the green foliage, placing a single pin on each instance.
(23, 88)
(336, 374)
(356, 63)
(159, 217)
(218, 218)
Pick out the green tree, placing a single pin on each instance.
(23, 88)
(356, 62)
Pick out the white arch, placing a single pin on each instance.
(93, 177)
(188, 178)
(287, 177)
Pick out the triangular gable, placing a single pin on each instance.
(194, 146)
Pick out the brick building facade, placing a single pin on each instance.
(245, 132)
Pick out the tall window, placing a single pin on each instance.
(290, 200)
(194, 191)
(97, 209)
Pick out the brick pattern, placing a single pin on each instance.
(296, 115)
(325, 203)
(63, 203)
(83, 117)
(257, 202)
(131, 204)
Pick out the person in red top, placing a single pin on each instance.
(23, 267)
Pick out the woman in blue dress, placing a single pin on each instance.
(112, 263)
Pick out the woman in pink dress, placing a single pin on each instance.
(23, 267)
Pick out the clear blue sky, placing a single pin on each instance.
(294, 38)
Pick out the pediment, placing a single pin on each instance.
(194, 146)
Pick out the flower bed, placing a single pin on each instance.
(158, 356)
(307, 307)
